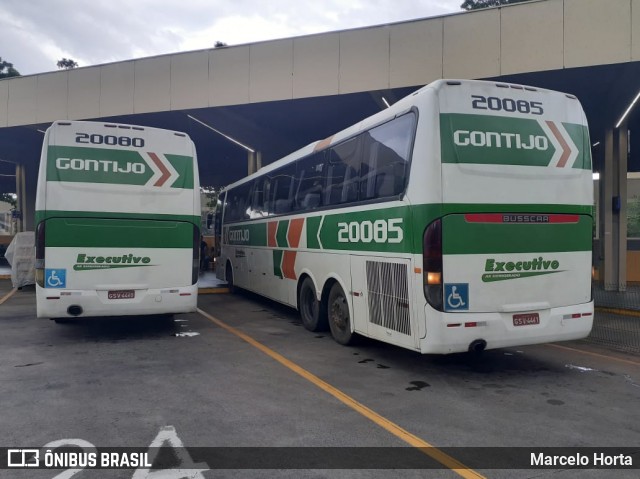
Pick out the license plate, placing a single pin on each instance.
(526, 319)
(122, 294)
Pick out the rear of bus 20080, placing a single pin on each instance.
(117, 221)
(509, 255)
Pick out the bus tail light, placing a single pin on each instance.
(432, 264)
(195, 268)
(40, 249)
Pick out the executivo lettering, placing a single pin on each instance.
(86, 262)
(506, 270)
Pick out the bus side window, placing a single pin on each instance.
(239, 205)
(283, 190)
(388, 150)
(258, 199)
(310, 173)
(343, 173)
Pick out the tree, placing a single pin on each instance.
(478, 4)
(10, 71)
(220, 44)
(9, 198)
(67, 64)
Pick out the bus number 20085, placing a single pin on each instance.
(378, 231)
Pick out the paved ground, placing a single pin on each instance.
(129, 381)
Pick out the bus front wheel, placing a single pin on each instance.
(228, 275)
(338, 315)
(309, 307)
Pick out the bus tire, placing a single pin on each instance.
(338, 316)
(228, 275)
(309, 307)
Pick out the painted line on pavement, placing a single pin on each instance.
(428, 449)
(597, 355)
(8, 295)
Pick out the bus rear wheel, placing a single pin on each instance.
(338, 315)
(309, 307)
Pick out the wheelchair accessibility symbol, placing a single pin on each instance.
(456, 297)
(55, 278)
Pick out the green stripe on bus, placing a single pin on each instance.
(281, 235)
(112, 233)
(277, 261)
(313, 226)
(377, 230)
(42, 215)
(247, 234)
(460, 237)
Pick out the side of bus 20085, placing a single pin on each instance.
(458, 219)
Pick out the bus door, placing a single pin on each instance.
(382, 299)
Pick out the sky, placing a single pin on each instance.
(35, 34)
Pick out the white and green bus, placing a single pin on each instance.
(117, 221)
(458, 219)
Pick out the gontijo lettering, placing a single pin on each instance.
(106, 166)
(500, 140)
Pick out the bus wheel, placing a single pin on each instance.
(338, 312)
(310, 307)
(228, 275)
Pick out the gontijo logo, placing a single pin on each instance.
(118, 166)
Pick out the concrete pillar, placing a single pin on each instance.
(614, 208)
(258, 160)
(251, 162)
(21, 191)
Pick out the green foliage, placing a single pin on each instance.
(9, 198)
(211, 192)
(478, 4)
(633, 217)
(67, 64)
(7, 70)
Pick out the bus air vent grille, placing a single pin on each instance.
(388, 295)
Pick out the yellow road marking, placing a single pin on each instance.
(619, 311)
(381, 421)
(589, 353)
(8, 295)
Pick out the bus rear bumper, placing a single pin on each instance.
(56, 303)
(456, 332)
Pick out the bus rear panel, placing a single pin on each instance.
(514, 236)
(117, 214)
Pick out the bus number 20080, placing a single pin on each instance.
(378, 231)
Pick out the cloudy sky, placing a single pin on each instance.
(35, 34)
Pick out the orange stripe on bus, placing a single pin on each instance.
(321, 145)
(288, 264)
(295, 231)
(272, 228)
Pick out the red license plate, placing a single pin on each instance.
(526, 319)
(122, 294)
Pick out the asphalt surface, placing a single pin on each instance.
(131, 382)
